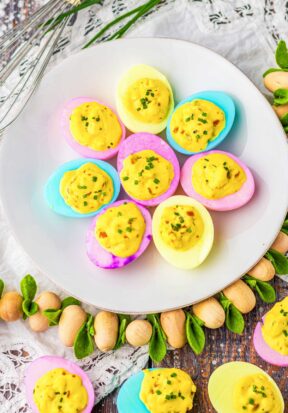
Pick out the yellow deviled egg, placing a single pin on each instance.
(239, 387)
(144, 99)
(183, 231)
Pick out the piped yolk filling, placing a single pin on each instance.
(148, 100)
(120, 229)
(275, 327)
(255, 393)
(181, 227)
(216, 176)
(87, 188)
(146, 175)
(59, 391)
(95, 126)
(167, 390)
(194, 124)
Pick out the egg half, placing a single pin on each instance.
(180, 386)
(149, 169)
(183, 231)
(55, 200)
(217, 179)
(91, 128)
(144, 99)
(124, 231)
(235, 385)
(275, 325)
(200, 122)
(43, 365)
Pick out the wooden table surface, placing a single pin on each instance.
(222, 346)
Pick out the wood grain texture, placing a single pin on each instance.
(222, 346)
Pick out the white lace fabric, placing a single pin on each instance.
(244, 31)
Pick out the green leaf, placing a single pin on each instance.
(265, 290)
(29, 307)
(280, 97)
(272, 69)
(69, 301)
(90, 325)
(28, 287)
(281, 55)
(53, 316)
(84, 343)
(224, 301)
(124, 320)
(195, 333)
(286, 129)
(278, 260)
(234, 320)
(284, 119)
(2, 285)
(285, 226)
(157, 344)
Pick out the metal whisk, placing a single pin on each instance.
(24, 55)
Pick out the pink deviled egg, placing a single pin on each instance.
(148, 168)
(271, 335)
(50, 375)
(119, 234)
(92, 128)
(217, 179)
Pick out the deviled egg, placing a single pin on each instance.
(82, 188)
(217, 179)
(271, 335)
(239, 387)
(119, 234)
(92, 128)
(144, 99)
(148, 168)
(161, 390)
(55, 384)
(200, 122)
(183, 231)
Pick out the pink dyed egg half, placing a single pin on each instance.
(266, 352)
(42, 365)
(227, 203)
(146, 141)
(105, 259)
(85, 150)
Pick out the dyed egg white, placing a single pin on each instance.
(146, 141)
(265, 351)
(105, 259)
(83, 150)
(134, 74)
(194, 256)
(220, 99)
(224, 379)
(42, 365)
(227, 203)
(54, 198)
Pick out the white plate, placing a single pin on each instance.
(34, 147)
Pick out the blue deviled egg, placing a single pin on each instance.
(82, 188)
(200, 122)
(157, 390)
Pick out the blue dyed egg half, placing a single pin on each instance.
(52, 188)
(223, 101)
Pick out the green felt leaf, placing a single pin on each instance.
(280, 97)
(195, 333)
(157, 344)
(278, 260)
(69, 301)
(2, 285)
(28, 287)
(284, 119)
(265, 290)
(281, 55)
(84, 343)
(234, 320)
(53, 316)
(29, 307)
(124, 320)
(272, 69)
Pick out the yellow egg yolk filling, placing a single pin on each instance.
(275, 327)
(194, 124)
(148, 100)
(95, 126)
(120, 229)
(167, 390)
(59, 391)
(146, 175)
(255, 393)
(181, 227)
(216, 176)
(87, 188)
